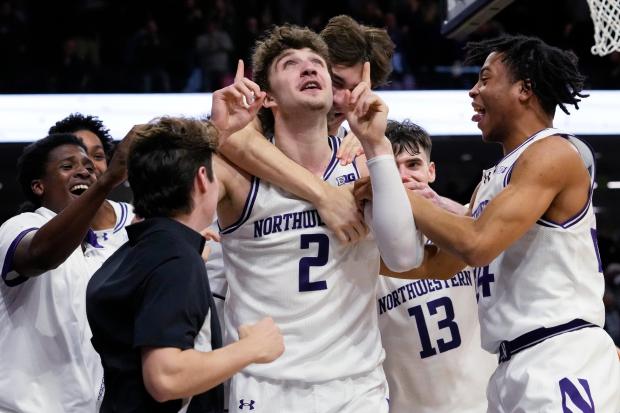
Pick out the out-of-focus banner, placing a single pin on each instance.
(25, 118)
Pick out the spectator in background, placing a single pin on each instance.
(13, 46)
(146, 55)
(213, 50)
(78, 62)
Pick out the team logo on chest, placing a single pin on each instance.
(345, 179)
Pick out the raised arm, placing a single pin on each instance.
(401, 246)
(49, 246)
(246, 147)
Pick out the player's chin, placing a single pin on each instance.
(317, 105)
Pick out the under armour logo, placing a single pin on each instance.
(105, 236)
(486, 176)
(243, 404)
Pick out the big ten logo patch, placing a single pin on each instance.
(345, 179)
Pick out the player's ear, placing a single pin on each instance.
(431, 172)
(37, 187)
(269, 101)
(201, 180)
(525, 89)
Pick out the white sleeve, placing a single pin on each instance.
(401, 245)
(11, 234)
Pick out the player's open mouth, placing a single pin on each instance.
(78, 189)
(311, 84)
(480, 112)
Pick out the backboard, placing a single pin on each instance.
(465, 16)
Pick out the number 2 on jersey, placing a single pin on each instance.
(306, 262)
(448, 322)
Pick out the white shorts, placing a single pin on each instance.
(366, 393)
(573, 372)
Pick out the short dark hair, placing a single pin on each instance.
(163, 162)
(33, 161)
(409, 137)
(350, 43)
(77, 122)
(552, 73)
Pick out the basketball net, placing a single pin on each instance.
(606, 17)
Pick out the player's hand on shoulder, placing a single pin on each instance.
(339, 210)
(265, 339)
(211, 236)
(350, 147)
(235, 106)
(366, 111)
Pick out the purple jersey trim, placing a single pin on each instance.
(8, 260)
(582, 212)
(247, 208)
(124, 216)
(334, 143)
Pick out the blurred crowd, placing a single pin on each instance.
(113, 46)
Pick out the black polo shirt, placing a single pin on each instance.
(152, 292)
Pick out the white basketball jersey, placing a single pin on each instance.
(431, 335)
(48, 363)
(550, 276)
(282, 261)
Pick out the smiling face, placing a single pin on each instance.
(95, 150)
(415, 167)
(343, 78)
(495, 99)
(68, 173)
(299, 81)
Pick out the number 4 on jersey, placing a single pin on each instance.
(484, 279)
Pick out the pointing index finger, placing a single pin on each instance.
(366, 73)
(240, 71)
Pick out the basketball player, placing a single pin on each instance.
(532, 237)
(429, 328)
(409, 363)
(107, 232)
(48, 362)
(279, 257)
(350, 44)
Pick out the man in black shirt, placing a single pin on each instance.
(150, 306)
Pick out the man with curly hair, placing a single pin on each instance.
(531, 236)
(108, 226)
(282, 261)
